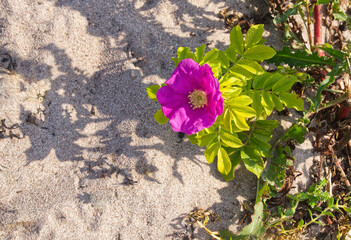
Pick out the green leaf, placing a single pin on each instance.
(252, 160)
(279, 19)
(261, 146)
(231, 53)
(224, 164)
(334, 53)
(160, 117)
(273, 79)
(210, 56)
(259, 52)
(240, 72)
(212, 151)
(277, 103)
(291, 100)
(260, 80)
(255, 229)
(296, 132)
(240, 122)
(230, 139)
(254, 35)
(340, 16)
(206, 139)
(240, 101)
(300, 224)
(329, 214)
(237, 39)
(200, 52)
(256, 97)
(192, 138)
(152, 90)
(227, 120)
(323, 2)
(267, 124)
(326, 82)
(251, 66)
(284, 84)
(267, 102)
(244, 111)
(235, 160)
(299, 59)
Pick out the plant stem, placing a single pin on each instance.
(307, 3)
(317, 13)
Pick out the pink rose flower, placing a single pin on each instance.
(191, 100)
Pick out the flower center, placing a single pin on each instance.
(197, 99)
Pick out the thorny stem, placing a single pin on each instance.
(317, 13)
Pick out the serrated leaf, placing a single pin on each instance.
(254, 35)
(296, 132)
(251, 66)
(231, 53)
(240, 72)
(227, 120)
(262, 135)
(277, 103)
(237, 39)
(267, 124)
(299, 59)
(291, 100)
(240, 122)
(260, 80)
(212, 151)
(259, 52)
(230, 139)
(235, 160)
(271, 80)
(240, 101)
(256, 104)
(200, 52)
(206, 139)
(267, 102)
(160, 117)
(261, 146)
(224, 164)
(334, 53)
(209, 56)
(326, 82)
(152, 90)
(284, 84)
(279, 19)
(252, 160)
(244, 111)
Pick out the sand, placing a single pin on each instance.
(89, 161)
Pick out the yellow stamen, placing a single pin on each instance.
(197, 99)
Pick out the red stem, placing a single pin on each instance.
(318, 14)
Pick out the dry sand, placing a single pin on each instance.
(92, 163)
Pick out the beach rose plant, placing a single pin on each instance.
(221, 99)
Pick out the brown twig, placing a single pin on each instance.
(342, 173)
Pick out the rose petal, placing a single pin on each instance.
(170, 100)
(186, 77)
